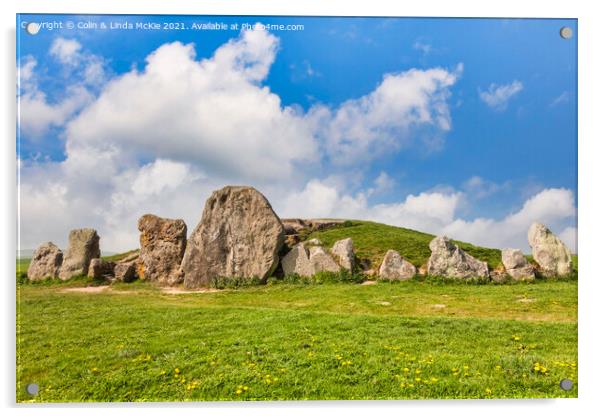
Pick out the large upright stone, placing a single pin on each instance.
(239, 235)
(516, 264)
(45, 262)
(297, 262)
(395, 267)
(162, 246)
(84, 245)
(553, 257)
(449, 260)
(343, 252)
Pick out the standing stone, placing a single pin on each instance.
(516, 265)
(239, 235)
(45, 262)
(553, 257)
(297, 262)
(395, 267)
(449, 260)
(84, 245)
(162, 246)
(321, 261)
(100, 268)
(343, 252)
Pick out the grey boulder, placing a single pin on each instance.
(84, 245)
(395, 267)
(297, 262)
(322, 261)
(343, 251)
(239, 235)
(550, 253)
(449, 260)
(516, 265)
(45, 262)
(124, 272)
(100, 268)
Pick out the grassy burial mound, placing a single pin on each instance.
(372, 240)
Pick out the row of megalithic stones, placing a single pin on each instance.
(239, 235)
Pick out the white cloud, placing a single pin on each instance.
(67, 51)
(569, 236)
(477, 187)
(427, 211)
(382, 184)
(436, 212)
(552, 206)
(497, 96)
(425, 48)
(37, 115)
(211, 112)
(404, 107)
(562, 98)
(84, 72)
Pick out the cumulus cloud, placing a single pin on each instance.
(552, 206)
(427, 211)
(85, 73)
(437, 212)
(404, 107)
(497, 96)
(66, 51)
(212, 112)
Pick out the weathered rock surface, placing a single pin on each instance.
(550, 253)
(292, 240)
(84, 245)
(239, 235)
(343, 252)
(516, 265)
(297, 262)
(449, 260)
(395, 267)
(162, 246)
(45, 262)
(125, 272)
(322, 261)
(293, 225)
(296, 225)
(100, 268)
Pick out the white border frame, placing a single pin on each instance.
(589, 194)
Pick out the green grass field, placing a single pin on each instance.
(420, 339)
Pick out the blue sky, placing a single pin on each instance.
(485, 144)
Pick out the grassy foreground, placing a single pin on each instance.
(409, 340)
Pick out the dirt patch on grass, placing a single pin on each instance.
(88, 289)
(182, 291)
